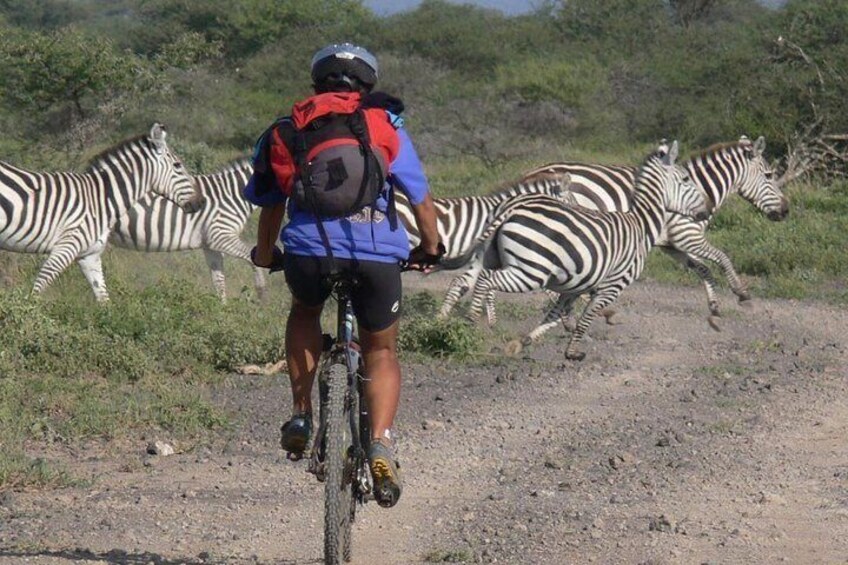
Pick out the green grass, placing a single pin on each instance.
(449, 556)
(72, 370)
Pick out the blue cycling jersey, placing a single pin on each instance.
(358, 236)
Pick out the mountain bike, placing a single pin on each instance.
(339, 455)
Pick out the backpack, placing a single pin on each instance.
(337, 171)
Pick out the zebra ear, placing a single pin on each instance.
(157, 138)
(760, 145)
(670, 157)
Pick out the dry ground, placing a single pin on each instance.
(670, 443)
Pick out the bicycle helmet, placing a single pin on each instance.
(344, 65)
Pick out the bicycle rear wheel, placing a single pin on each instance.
(338, 497)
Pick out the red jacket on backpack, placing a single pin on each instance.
(384, 138)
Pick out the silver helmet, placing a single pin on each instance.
(344, 62)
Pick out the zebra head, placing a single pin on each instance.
(169, 177)
(682, 195)
(757, 184)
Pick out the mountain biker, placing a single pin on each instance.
(369, 242)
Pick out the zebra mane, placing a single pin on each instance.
(640, 172)
(244, 162)
(715, 148)
(114, 149)
(541, 176)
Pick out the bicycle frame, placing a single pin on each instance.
(344, 350)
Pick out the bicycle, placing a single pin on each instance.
(339, 455)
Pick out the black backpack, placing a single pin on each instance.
(337, 171)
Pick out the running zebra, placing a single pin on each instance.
(720, 171)
(461, 220)
(544, 244)
(156, 224)
(69, 215)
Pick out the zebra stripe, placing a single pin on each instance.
(69, 215)
(720, 171)
(542, 243)
(155, 224)
(460, 221)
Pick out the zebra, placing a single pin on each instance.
(155, 224)
(461, 220)
(720, 171)
(544, 244)
(69, 215)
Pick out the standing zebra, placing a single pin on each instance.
(156, 224)
(720, 171)
(69, 215)
(542, 243)
(461, 220)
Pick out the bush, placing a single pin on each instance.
(422, 332)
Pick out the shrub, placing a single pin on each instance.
(423, 333)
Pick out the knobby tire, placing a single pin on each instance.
(338, 498)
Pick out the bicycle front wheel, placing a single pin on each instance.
(337, 483)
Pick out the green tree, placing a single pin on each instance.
(65, 68)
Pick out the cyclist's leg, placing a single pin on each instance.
(382, 390)
(303, 347)
(376, 302)
(303, 343)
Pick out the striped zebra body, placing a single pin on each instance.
(460, 221)
(719, 171)
(69, 215)
(155, 224)
(544, 244)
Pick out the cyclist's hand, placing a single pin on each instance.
(276, 263)
(421, 260)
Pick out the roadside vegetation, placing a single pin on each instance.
(488, 97)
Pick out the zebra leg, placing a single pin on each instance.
(92, 268)
(560, 308)
(509, 279)
(482, 288)
(710, 284)
(232, 245)
(705, 251)
(600, 300)
(61, 256)
(215, 262)
(458, 287)
(491, 316)
(739, 288)
(557, 313)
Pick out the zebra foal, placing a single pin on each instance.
(69, 215)
(156, 224)
(541, 243)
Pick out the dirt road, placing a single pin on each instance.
(670, 443)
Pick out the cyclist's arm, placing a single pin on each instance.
(412, 180)
(425, 218)
(263, 190)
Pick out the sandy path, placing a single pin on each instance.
(670, 443)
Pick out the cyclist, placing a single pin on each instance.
(368, 242)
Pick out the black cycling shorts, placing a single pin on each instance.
(376, 299)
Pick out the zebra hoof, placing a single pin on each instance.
(513, 348)
(713, 322)
(575, 355)
(608, 314)
(744, 297)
